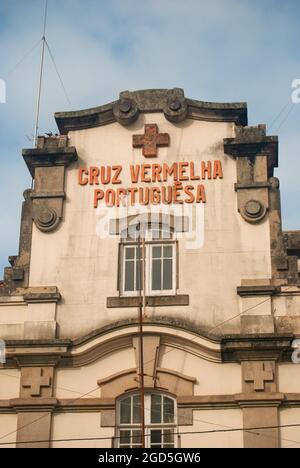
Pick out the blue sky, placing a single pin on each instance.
(217, 50)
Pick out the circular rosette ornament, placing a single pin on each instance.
(254, 211)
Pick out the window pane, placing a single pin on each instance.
(156, 252)
(137, 437)
(129, 275)
(156, 275)
(139, 252)
(156, 437)
(125, 438)
(168, 274)
(155, 409)
(168, 436)
(138, 273)
(125, 416)
(129, 253)
(168, 410)
(168, 251)
(136, 409)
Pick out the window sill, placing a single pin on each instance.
(151, 301)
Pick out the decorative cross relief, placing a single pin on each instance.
(151, 140)
(258, 373)
(36, 378)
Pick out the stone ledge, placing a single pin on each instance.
(33, 404)
(259, 290)
(151, 301)
(192, 402)
(47, 157)
(48, 195)
(42, 297)
(264, 399)
(31, 294)
(87, 404)
(254, 185)
(257, 347)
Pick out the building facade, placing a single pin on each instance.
(189, 188)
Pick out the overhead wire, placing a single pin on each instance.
(57, 72)
(212, 431)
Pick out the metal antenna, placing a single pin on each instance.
(36, 128)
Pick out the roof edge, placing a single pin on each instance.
(171, 102)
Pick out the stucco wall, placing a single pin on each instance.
(9, 383)
(80, 426)
(83, 380)
(8, 425)
(84, 267)
(209, 420)
(290, 436)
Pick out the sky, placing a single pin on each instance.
(216, 50)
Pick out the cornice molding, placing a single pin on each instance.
(193, 402)
(48, 157)
(252, 141)
(257, 347)
(169, 101)
(89, 348)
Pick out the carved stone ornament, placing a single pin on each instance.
(176, 107)
(46, 219)
(275, 183)
(126, 111)
(47, 164)
(253, 211)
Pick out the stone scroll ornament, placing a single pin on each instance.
(172, 103)
(46, 219)
(175, 108)
(126, 111)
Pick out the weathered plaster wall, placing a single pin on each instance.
(83, 380)
(223, 379)
(84, 267)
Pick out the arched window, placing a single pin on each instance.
(160, 421)
(160, 260)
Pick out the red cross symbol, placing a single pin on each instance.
(151, 140)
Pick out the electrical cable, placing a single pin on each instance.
(212, 431)
(57, 72)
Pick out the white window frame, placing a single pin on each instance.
(148, 425)
(123, 267)
(161, 292)
(149, 250)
